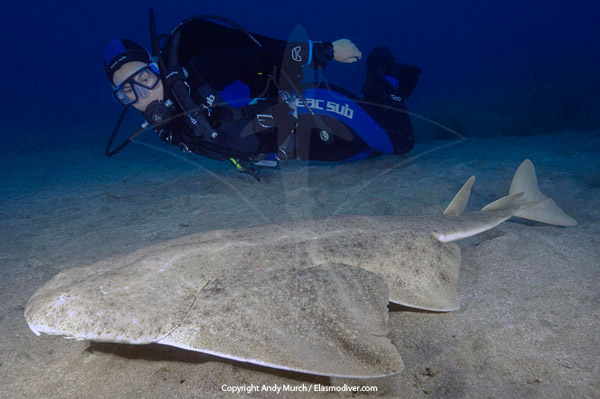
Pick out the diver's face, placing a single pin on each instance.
(144, 96)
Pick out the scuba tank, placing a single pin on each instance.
(173, 78)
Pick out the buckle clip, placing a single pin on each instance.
(184, 148)
(265, 120)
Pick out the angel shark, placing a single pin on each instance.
(305, 296)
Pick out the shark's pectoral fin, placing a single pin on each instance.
(504, 203)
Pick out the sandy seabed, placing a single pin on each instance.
(529, 323)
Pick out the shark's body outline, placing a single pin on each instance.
(415, 256)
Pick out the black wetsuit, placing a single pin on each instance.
(218, 57)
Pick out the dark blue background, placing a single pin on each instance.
(489, 68)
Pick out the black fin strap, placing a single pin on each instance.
(244, 169)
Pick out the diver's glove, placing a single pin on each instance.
(345, 51)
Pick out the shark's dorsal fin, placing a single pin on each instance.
(458, 204)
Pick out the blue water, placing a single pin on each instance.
(529, 70)
(489, 68)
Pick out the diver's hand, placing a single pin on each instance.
(346, 51)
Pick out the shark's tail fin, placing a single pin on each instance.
(524, 200)
(528, 202)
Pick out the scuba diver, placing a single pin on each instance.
(232, 95)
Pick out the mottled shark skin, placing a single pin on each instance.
(306, 296)
(326, 320)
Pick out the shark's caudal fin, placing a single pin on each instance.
(524, 200)
(531, 203)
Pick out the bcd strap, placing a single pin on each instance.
(175, 74)
(194, 118)
(250, 111)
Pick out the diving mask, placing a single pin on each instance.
(137, 86)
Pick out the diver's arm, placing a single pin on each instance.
(219, 66)
(252, 65)
(316, 54)
(312, 53)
